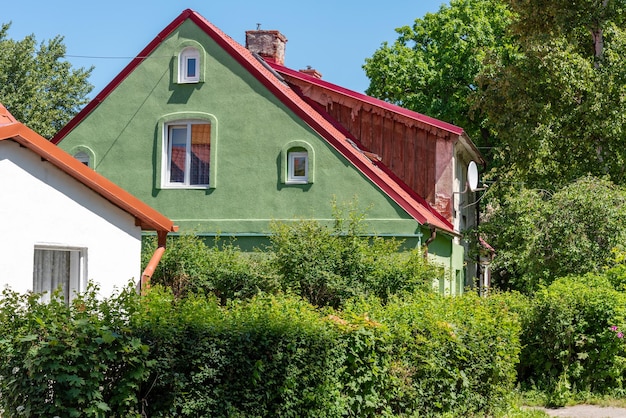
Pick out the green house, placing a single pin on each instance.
(208, 133)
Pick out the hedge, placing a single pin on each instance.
(269, 356)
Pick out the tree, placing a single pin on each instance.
(431, 67)
(37, 86)
(556, 102)
(541, 235)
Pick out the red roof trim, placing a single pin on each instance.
(147, 217)
(389, 186)
(383, 167)
(368, 99)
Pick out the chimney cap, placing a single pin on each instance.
(312, 72)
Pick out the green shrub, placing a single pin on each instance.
(80, 359)
(269, 356)
(446, 355)
(189, 265)
(568, 343)
(328, 266)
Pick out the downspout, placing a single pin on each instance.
(154, 261)
(433, 235)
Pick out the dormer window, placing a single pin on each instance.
(189, 65)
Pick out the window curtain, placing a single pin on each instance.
(51, 271)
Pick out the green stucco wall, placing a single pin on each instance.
(250, 129)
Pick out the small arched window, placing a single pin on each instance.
(298, 167)
(297, 163)
(83, 157)
(189, 65)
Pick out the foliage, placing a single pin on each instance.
(80, 359)
(568, 342)
(555, 101)
(189, 265)
(37, 86)
(264, 357)
(324, 265)
(541, 235)
(447, 355)
(279, 356)
(431, 67)
(328, 266)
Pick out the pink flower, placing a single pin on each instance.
(620, 335)
(614, 328)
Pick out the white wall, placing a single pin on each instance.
(41, 205)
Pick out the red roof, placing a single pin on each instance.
(398, 191)
(145, 216)
(368, 99)
(372, 101)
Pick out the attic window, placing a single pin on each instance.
(189, 65)
(298, 167)
(83, 157)
(297, 163)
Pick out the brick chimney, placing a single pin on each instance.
(270, 44)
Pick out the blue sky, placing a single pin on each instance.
(334, 37)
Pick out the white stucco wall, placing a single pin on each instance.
(41, 205)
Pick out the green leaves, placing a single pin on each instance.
(37, 86)
(556, 103)
(431, 67)
(77, 360)
(567, 340)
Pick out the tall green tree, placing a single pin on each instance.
(557, 102)
(431, 67)
(37, 85)
(541, 235)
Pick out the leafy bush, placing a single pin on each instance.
(542, 235)
(568, 343)
(265, 357)
(189, 265)
(80, 359)
(328, 266)
(445, 355)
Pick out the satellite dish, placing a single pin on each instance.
(472, 176)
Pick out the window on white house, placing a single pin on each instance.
(83, 157)
(188, 154)
(58, 268)
(298, 167)
(189, 66)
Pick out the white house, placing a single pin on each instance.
(62, 223)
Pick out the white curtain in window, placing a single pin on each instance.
(52, 270)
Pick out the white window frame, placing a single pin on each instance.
(75, 282)
(292, 178)
(167, 160)
(186, 55)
